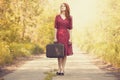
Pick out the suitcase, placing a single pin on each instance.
(55, 50)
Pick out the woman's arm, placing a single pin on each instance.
(56, 26)
(55, 39)
(70, 29)
(70, 32)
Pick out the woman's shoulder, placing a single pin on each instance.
(57, 15)
(71, 16)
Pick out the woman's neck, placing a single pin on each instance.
(63, 13)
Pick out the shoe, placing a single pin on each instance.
(61, 74)
(58, 73)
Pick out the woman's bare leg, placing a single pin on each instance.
(63, 63)
(59, 64)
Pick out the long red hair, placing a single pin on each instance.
(67, 11)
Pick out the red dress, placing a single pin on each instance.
(62, 26)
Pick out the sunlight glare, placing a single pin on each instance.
(84, 12)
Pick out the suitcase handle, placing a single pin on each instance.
(55, 42)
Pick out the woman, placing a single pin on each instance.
(63, 26)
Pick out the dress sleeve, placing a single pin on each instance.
(56, 23)
(70, 23)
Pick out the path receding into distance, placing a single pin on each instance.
(78, 67)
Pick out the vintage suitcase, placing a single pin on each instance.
(55, 50)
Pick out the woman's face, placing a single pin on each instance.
(62, 7)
